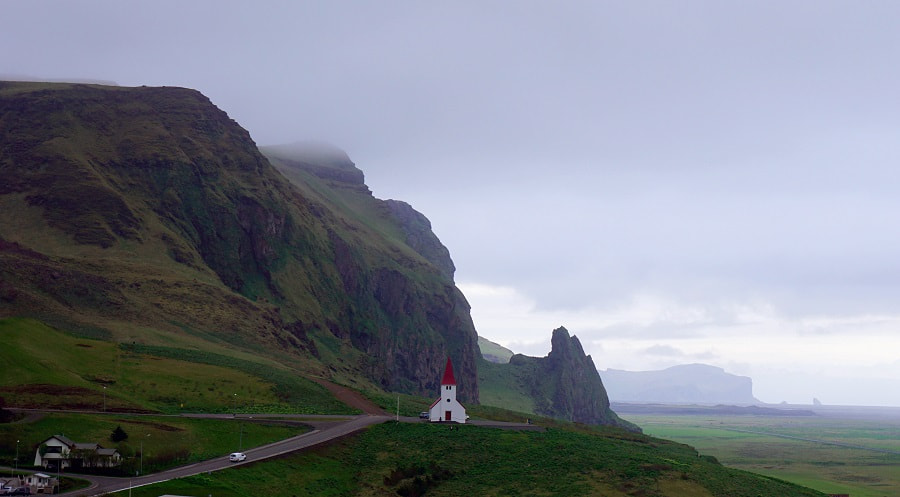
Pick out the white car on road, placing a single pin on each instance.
(237, 456)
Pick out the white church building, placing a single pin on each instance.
(446, 407)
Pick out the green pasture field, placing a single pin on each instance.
(435, 460)
(167, 440)
(817, 461)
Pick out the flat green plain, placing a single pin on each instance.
(834, 455)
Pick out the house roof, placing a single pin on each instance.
(448, 379)
(106, 452)
(62, 438)
(86, 446)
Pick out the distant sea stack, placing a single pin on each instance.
(689, 383)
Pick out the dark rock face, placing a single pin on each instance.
(565, 384)
(420, 237)
(578, 392)
(254, 260)
(404, 355)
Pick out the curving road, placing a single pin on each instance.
(325, 432)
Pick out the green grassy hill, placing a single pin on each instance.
(493, 352)
(425, 459)
(47, 368)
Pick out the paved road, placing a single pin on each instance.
(324, 433)
(327, 428)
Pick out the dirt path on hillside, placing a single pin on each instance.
(351, 397)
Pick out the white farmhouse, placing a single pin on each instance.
(446, 407)
(60, 452)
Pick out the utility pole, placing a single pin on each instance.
(241, 441)
(104, 398)
(17, 456)
(398, 407)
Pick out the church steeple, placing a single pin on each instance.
(448, 378)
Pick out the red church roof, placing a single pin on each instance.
(448, 374)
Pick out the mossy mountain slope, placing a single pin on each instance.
(147, 215)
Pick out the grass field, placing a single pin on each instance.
(820, 452)
(166, 440)
(46, 368)
(428, 459)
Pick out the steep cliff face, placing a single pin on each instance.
(564, 385)
(164, 216)
(402, 357)
(419, 236)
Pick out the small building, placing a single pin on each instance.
(39, 483)
(446, 407)
(60, 452)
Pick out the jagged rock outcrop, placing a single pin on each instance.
(564, 385)
(163, 215)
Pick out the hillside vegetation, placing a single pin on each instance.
(493, 352)
(48, 368)
(412, 459)
(146, 216)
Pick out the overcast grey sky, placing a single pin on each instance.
(675, 182)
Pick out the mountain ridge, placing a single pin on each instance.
(150, 207)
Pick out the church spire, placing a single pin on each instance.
(448, 378)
